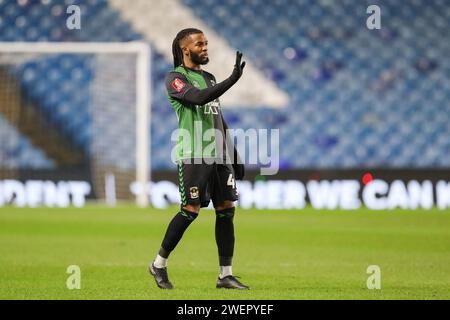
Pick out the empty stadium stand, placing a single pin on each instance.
(358, 97)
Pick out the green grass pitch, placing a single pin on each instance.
(304, 254)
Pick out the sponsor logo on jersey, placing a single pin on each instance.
(212, 107)
(178, 84)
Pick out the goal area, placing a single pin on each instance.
(77, 110)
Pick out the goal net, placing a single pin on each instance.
(74, 111)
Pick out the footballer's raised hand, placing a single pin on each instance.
(238, 66)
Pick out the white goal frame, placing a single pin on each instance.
(143, 91)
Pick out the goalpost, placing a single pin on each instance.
(91, 104)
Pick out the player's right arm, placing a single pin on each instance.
(178, 86)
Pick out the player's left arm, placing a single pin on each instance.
(203, 96)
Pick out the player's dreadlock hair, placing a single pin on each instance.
(176, 49)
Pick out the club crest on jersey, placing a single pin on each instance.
(194, 192)
(195, 84)
(178, 84)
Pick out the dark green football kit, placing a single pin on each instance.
(204, 174)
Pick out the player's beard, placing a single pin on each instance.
(197, 59)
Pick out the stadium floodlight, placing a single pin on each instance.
(90, 100)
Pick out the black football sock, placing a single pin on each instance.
(225, 235)
(175, 231)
